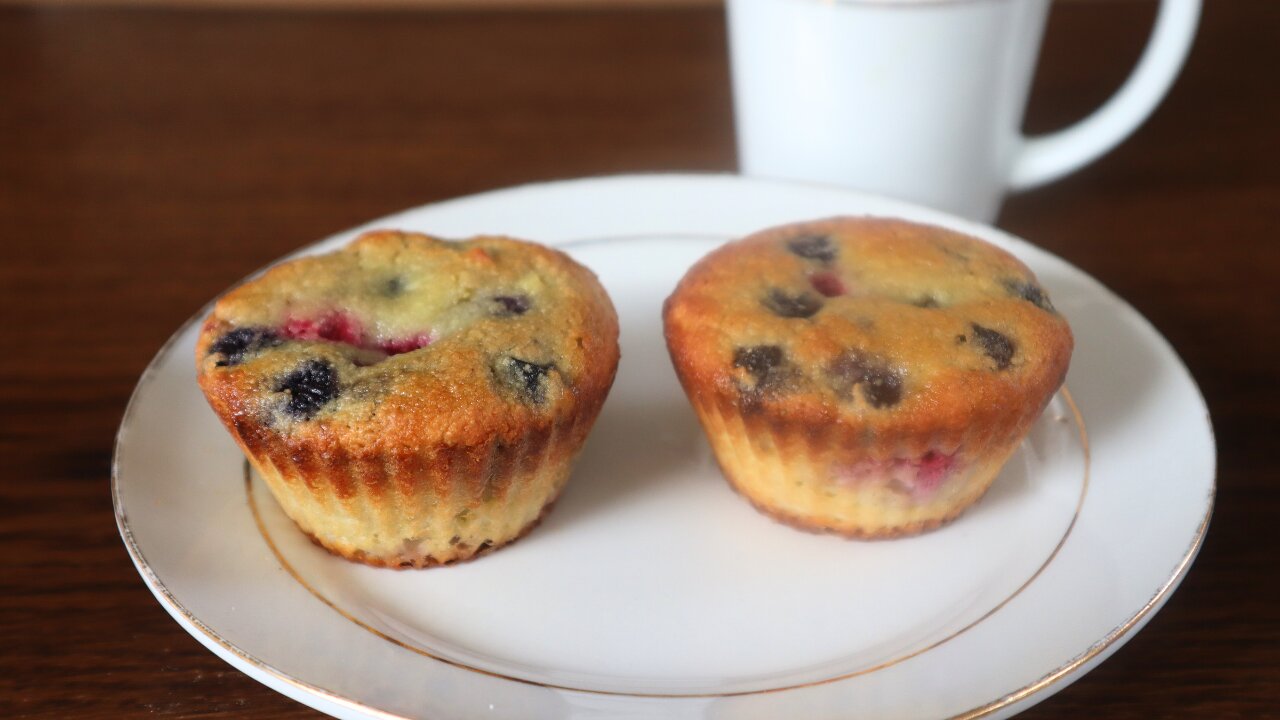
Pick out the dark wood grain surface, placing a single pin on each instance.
(149, 158)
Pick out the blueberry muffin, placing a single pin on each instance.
(412, 401)
(863, 376)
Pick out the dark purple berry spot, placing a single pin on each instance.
(784, 304)
(881, 385)
(510, 305)
(762, 362)
(393, 287)
(882, 390)
(995, 345)
(767, 372)
(237, 344)
(310, 387)
(813, 247)
(926, 301)
(527, 379)
(1030, 292)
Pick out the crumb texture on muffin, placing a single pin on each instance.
(411, 400)
(865, 376)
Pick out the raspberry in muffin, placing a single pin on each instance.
(412, 401)
(863, 376)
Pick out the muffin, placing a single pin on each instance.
(412, 401)
(863, 376)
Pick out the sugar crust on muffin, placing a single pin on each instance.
(864, 376)
(413, 401)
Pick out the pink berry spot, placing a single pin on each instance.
(918, 477)
(296, 328)
(342, 327)
(931, 470)
(335, 326)
(827, 283)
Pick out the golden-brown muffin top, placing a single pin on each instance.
(881, 320)
(405, 338)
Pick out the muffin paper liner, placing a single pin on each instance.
(432, 506)
(834, 478)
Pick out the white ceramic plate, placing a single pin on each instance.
(653, 590)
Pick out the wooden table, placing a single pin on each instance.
(149, 158)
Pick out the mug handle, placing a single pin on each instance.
(1045, 158)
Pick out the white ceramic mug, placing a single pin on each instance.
(921, 99)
